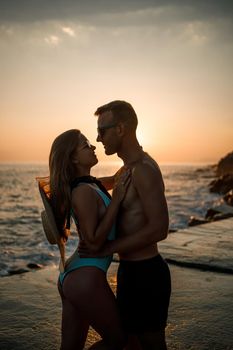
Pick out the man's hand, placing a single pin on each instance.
(121, 184)
(86, 252)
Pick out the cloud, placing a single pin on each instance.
(68, 31)
(52, 40)
(34, 10)
(197, 22)
(197, 33)
(6, 30)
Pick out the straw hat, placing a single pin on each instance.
(48, 220)
(50, 228)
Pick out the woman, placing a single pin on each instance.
(87, 299)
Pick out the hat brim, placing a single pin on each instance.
(48, 221)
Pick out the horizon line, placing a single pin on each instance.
(112, 162)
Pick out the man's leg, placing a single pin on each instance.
(133, 343)
(99, 345)
(153, 340)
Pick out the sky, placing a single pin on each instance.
(171, 59)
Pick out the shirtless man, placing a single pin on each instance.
(143, 280)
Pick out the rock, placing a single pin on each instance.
(225, 165)
(171, 230)
(222, 185)
(195, 221)
(214, 215)
(219, 212)
(228, 198)
(222, 216)
(222, 207)
(34, 266)
(210, 214)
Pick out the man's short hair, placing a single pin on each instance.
(122, 111)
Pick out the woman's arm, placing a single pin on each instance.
(86, 206)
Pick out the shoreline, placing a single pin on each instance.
(206, 247)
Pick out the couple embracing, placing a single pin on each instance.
(129, 223)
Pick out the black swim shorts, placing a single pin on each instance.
(143, 294)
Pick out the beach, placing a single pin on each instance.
(200, 259)
(200, 313)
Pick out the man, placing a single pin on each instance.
(143, 281)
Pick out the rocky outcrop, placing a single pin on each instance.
(222, 185)
(194, 221)
(225, 165)
(219, 212)
(212, 214)
(228, 198)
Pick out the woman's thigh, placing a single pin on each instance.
(74, 326)
(88, 290)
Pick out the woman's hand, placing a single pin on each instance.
(121, 185)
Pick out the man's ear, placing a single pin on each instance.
(120, 129)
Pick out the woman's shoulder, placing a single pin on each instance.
(83, 193)
(83, 187)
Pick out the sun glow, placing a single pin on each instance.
(176, 72)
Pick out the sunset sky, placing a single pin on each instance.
(172, 60)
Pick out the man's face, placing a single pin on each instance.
(106, 129)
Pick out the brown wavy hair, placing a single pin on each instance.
(62, 172)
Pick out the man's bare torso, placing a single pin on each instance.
(131, 217)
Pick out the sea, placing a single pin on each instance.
(22, 241)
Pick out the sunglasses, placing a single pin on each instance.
(101, 129)
(86, 144)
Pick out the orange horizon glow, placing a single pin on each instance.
(172, 63)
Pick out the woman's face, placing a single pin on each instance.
(85, 153)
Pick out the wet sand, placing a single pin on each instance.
(201, 308)
(200, 316)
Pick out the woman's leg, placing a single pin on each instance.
(88, 290)
(74, 327)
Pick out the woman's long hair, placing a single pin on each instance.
(62, 172)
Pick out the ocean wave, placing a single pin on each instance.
(22, 239)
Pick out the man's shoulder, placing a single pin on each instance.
(148, 160)
(147, 163)
(147, 171)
